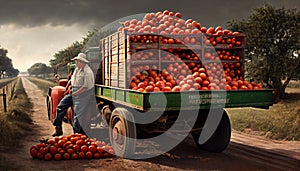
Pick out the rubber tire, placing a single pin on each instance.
(220, 139)
(49, 109)
(122, 116)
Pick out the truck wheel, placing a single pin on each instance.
(220, 138)
(122, 134)
(49, 109)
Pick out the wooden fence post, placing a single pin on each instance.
(4, 99)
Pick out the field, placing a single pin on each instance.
(42, 84)
(281, 121)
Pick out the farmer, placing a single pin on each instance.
(82, 96)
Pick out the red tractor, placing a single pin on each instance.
(56, 93)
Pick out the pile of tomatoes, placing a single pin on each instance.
(171, 23)
(183, 69)
(74, 146)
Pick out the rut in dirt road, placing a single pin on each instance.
(40, 109)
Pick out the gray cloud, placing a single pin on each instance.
(30, 13)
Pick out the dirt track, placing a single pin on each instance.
(245, 152)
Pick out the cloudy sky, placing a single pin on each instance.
(34, 30)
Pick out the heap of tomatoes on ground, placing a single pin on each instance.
(186, 72)
(74, 146)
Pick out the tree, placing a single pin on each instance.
(40, 69)
(92, 38)
(273, 40)
(65, 55)
(6, 66)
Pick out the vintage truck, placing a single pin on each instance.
(134, 113)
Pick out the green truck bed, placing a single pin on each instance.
(187, 100)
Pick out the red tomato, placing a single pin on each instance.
(99, 149)
(205, 83)
(83, 137)
(33, 151)
(185, 87)
(178, 15)
(88, 155)
(84, 148)
(92, 148)
(204, 88)
(149, 88)
(197, 86)
(210, 30)
(57, 156)
(166, 89)
(74, 156)
(240, 83)
(97, 155)
(202, 70)
(219, 28)
(106, 155)
(70, 151)
(74, 139)
(234, 88)
(203, 76)
(227, 87)
(160, 84)
(43, 150)
(141, 85)
(156, 89)
(243, 87)
(40, 156)
(234, 83)
(38, 146)
(76, 147)
(169, 84)
(66, 156)
(111, 152)
(176, 89)
(51, 141)
(61, 143)
(53, 150)
(48, 157)
(203, 29)
(81, 155)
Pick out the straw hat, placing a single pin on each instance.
(81, 57)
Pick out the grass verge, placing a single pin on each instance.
(16, 121)
(281, 121)
(42, 84)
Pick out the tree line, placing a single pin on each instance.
(6, 67)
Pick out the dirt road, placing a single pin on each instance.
(245, 152)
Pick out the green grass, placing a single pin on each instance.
(42, 84)
(281, 121)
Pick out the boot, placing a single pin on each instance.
(58, 131)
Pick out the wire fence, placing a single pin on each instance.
(6, 92)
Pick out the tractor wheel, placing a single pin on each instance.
(50, 109)
(122, 132)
